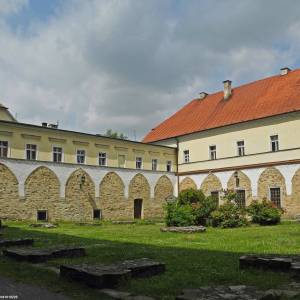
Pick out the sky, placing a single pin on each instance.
(129, 64)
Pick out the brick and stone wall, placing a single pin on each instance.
(72, 193)
(187, 183)
(256, 182)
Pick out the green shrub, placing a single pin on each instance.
(203, 209)
(229, 215)
(264, 213)
(190, 196)
(179, 215)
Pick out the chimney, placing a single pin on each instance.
(284, 71)
(227, 89)
(202, 95)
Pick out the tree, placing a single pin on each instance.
(115, 134)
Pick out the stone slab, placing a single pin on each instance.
(187, 229)
(43, 225)
(123, 222)
(97, 276)
(143, 267)
(109, 276)
(15, 242)
(36, 255)
(266, 262)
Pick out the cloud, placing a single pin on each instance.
(127, 65)
(8, 7)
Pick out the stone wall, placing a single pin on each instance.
(187, 183)
(211, 183)
(271, 177)
(112, 198)
(10, 205)
(244, 184)
(293, 203)
(41, 193)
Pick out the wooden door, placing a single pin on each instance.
(138, 206)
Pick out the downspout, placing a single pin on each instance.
(177, 162)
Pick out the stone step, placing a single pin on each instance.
(36, 255)
(185, 229)
(143, 267)
(97, 276)
(273, 263)
(15, 242)
(109, 276)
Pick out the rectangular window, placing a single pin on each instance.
(212, 152)
(169, 166)
(57, 154)
(42, 215)
(186, 156)
(3, 148)
(102, 159)
(31, 151)
(274, 143)
(241, 148)
(215, 195)
(97, 214)
(80, 156)
(275, 196)
(138, 163)
(154, 164)
(121, 161)
(241, 198)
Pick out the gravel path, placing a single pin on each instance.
(10, 289)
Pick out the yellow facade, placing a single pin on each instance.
(256, 136)
(19, 135)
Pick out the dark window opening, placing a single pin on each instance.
(97, 214)
(241, 198)
(215, 195)
(275, 196)
(42, 215)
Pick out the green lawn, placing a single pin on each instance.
(192, 260)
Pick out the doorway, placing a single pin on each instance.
(138, 206)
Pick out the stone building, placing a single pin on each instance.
(243, 138)
(51, 174)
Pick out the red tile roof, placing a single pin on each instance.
(263, 98)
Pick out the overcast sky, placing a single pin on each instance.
(127, 65)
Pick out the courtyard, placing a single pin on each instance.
(192, 260)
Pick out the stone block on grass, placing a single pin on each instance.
(16, 242)
(37, 255)
(185, 229)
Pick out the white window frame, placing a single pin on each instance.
(156, 164)
(101, 152)
(276, 143)
(62, 153)
(186, 156)
(210, 152)
(8, 149)
(125, 160)
(36, 153)
(136, 162)
(239, 147)
(169, 163)
(76, 160)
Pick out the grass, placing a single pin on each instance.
(192, 260)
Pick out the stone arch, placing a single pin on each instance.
(293, 206)
(80, 197)
(42, 189)
(187, 183)
(112, 201)
(139, 188)
(271, 177)
(162, 190)
(244, 183)
(211, 183)
(10, 207)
